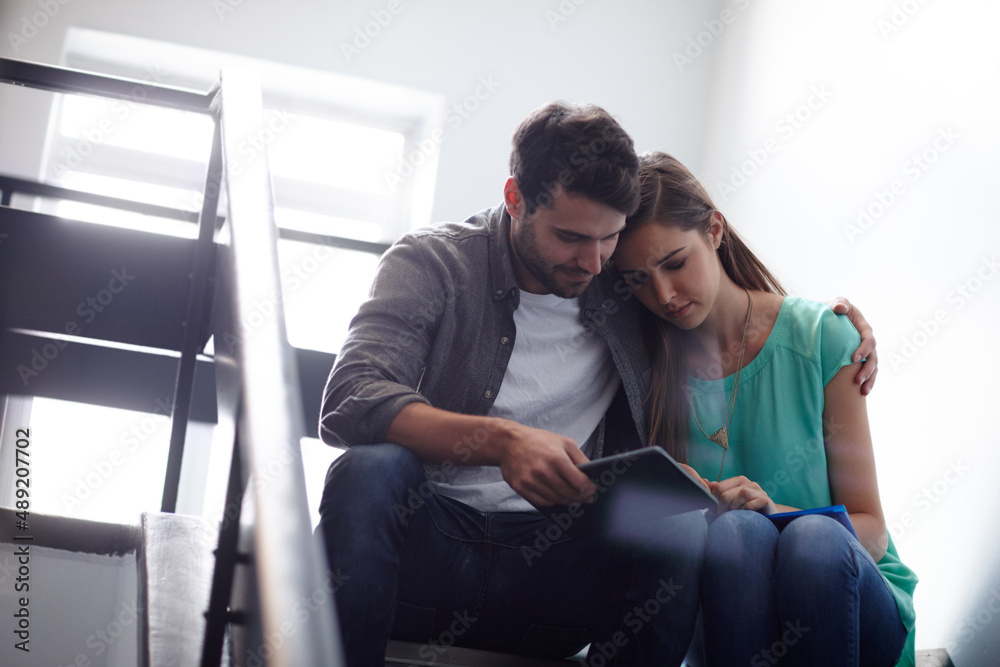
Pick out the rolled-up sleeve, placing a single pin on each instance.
(380, 366)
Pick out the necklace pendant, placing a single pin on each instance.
(721, 438)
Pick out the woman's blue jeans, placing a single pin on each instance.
(810, 595)
(417, 566)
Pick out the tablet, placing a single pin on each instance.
(637, 489)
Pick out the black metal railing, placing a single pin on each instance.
(233, 262)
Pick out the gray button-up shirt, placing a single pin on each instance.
(438, 327)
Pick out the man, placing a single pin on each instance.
(492, 357)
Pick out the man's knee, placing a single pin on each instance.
(384, 462)
(373, 469)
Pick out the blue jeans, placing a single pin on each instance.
(810, 595)
(422, 567)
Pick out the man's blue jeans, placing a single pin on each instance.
(810, 595)
(422, 567)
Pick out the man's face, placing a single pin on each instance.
(560, 248)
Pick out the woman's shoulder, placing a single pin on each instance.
(813, 330)
(810, 315)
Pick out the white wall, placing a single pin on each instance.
(887, 85)
(616, 54)
(82, 608)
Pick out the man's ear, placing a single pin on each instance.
(513, 199)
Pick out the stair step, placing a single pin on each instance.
(409, 653)
(175, 572)
(937, 657)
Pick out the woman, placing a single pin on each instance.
(755, 390)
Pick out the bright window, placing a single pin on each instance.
(336, 152)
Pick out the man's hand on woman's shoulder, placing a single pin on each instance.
(869, 369)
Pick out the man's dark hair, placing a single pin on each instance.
(580, 147)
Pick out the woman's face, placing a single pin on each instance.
(675, 273)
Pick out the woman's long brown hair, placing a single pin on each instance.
(671, 195)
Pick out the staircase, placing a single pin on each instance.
(187, 592)
(264, 560)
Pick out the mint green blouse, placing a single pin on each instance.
(776, 434)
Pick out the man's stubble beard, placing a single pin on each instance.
(526, 249)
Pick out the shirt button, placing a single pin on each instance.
(488, 393)
(499, 293)
(504, 340)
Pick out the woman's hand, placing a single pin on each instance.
(694, 473)
(739, 493)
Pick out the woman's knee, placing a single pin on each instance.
(814, 534)
(740, 540)
(742, 527)
(816, 545)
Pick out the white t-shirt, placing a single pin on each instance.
(561, 378)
